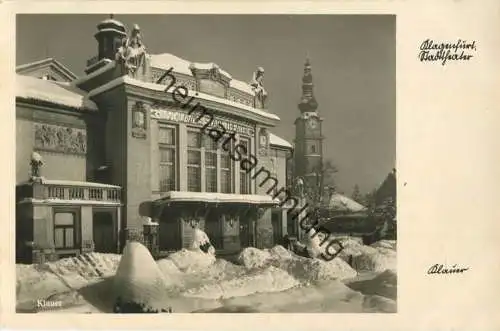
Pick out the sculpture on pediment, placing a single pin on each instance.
(131, 55)
(257, 84)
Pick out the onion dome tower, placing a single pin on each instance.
(109, 36)
(308, 102)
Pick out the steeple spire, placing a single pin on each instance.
(308, 101)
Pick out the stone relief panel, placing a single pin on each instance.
(56, 138)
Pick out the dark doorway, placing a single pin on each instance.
(277, 228)
(169, 233)
(103, 231)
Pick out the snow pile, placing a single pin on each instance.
(168, 267)
(200, 239)
(384, 284)
(313, 243)
(36, 281)
(302, 268)
(189, 261)
(280, 253)
(222, 270)
(377, 304)
(309, 270)
(378, 261)
(139, 279)
(388, 244)
(353, 248)
(79, 271)
(270, 279)
(252, 257)
(42, 281)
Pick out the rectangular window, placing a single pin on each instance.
(168, 159)
(194, 160)
(65, 230)
(210, 164)
(244, 176)
(226, 168)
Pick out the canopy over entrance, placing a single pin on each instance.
(175, 197)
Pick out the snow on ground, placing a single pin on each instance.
(139, 278)
(42, 281)
(269, 280)
(189, 260)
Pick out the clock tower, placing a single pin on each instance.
(308, 153)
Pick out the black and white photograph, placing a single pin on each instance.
(205, 163)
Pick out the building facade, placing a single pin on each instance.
(144, 136)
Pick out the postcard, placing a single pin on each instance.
(302, 165)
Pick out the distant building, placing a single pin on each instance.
(308, 152)
(112, 147)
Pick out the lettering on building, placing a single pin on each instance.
(56, 138)
(179, 117)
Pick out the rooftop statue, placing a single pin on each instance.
(132, 52)
(257, 84)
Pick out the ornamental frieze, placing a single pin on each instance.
(58, 138)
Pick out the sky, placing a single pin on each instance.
(353, 60)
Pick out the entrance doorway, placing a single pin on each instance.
(277, 227)
(169, 234)
(103, 231)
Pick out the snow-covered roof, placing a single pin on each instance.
(58, 93)
(166, 61)
(182, 196)
(342, 203)
(112, 21)
(24, 69)
(278, 141)
(70, 201)
(74, 183)
(197, 95)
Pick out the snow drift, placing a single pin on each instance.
(305, 269)
(139, 278)
(270, 279)
(191, 260)
(42, 281)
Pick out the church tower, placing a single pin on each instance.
(308, 153)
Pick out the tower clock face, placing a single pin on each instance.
(312, 123)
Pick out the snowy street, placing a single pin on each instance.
(273, 280)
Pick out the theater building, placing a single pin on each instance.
(143, 135)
